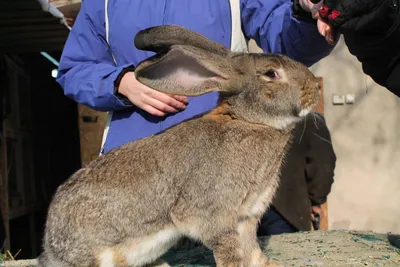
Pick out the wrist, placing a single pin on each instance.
(121, 84)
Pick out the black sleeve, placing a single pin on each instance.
(371, 30)
(320, 159)
(379, 56)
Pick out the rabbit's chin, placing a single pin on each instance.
(285, 122)
(304, 112)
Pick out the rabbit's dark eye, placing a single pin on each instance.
(272, 74)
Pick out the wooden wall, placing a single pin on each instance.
(91, 126)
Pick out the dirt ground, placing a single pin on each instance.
(320, 248)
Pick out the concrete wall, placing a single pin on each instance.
(366, 138)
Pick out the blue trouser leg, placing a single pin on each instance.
(273, 223)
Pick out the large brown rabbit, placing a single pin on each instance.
(210, 178)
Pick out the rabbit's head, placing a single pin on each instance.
(266, 89)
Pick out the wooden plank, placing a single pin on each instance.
(70, 11)
(63, 3)
(325, 219)
(91, 127)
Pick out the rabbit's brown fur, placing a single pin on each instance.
(210, 178)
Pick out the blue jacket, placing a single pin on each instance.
(87, 71)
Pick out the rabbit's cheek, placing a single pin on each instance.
(268, 95)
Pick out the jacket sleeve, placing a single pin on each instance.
(372, 33)
(378, 53)
(320, 159)
(87, 71)
(271, 24)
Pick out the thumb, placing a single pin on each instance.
(322, 27)
(327, 31)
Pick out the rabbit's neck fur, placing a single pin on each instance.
(224, 113)
(221, 113)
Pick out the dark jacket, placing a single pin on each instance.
(307, 175)
(379, 52)
(371, 30)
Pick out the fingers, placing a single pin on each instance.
(317, 210)
(327, 31)
(322, 26)
(180, 98)
(159, 105)
(153, 111)
(148, 99)
(169, 101)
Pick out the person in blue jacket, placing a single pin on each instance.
(98, 61)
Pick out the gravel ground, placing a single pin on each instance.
(320, 248)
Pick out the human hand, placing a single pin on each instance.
(317, 209)
(356, 16)
(314, 6)
(148, 99)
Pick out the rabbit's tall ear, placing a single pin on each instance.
(186, 70)
(159, 38)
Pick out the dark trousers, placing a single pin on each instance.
(273, 223)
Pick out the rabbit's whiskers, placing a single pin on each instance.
(304, 129)
(323, 139)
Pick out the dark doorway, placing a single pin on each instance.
(42, 145)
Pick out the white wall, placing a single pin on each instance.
(366, 138)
